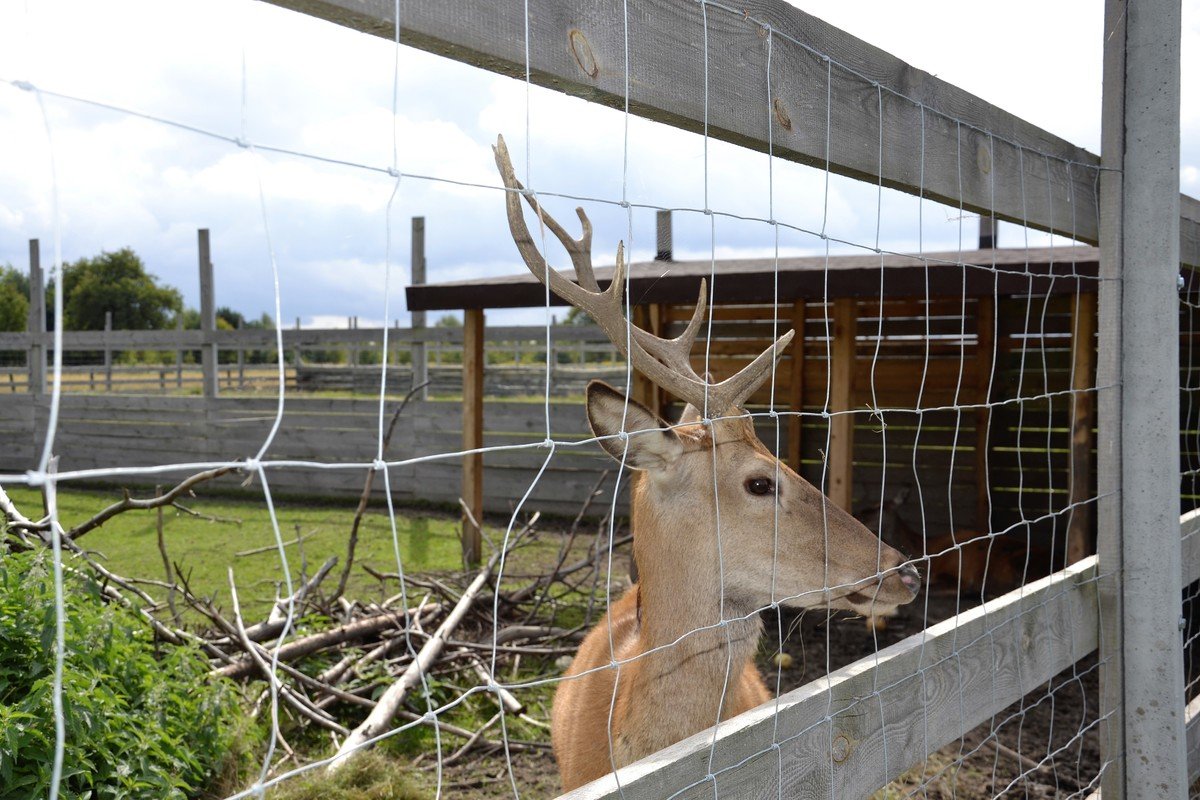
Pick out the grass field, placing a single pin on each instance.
(205, 547)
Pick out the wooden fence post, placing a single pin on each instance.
(241, 362)
(419, 354)
(1083, 375)
(841, 425)
(179, 354)
(296, 356)
(472, 406)
(108, 365)
(208, 317)
(36, 356)
(1142, 699)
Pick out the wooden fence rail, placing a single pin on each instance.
(852, 732)
(169, 360)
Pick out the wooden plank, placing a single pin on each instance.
(930, 690)
(472, 435)
(841, 426)
(1189, 562)
(1192, 720)
(579, 48)
(1083, 442)
(419, 355)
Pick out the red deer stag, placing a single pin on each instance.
(686, 634)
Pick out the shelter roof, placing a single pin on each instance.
(753, 280)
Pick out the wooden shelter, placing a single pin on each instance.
(972, 371)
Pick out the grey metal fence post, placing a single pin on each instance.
(1139, 537)
(36, 355)
(420, 362)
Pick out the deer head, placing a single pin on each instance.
(780, 539)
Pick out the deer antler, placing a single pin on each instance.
(666, 362)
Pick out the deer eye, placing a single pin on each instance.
(760, 486)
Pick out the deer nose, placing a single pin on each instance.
(910, 578)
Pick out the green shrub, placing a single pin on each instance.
(142, 721)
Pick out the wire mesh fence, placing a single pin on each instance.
(859, 530)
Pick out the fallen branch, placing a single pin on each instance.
(319, 641)
(300, 704)
(379, 720)
(278, 616)
(191, 512)
(129, 504)
(269, 547)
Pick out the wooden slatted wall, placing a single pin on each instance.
(103, 431)
(921, 363)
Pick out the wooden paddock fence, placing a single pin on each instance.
(982, 470)
(782, 82)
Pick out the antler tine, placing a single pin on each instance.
(732, 392)
(677, 352)
(580, 250)
(722, 397)
(666, 362)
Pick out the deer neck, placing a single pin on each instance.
(693, 659)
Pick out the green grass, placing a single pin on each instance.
(368, 776)
(205, 549)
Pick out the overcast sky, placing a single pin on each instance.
(315, 87)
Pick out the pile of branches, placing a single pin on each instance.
(352, 668)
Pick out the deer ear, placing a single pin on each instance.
(647, 447)
(690, 415)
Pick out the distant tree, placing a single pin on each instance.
(448, 321)
(191, 319)
(117, 282)
(227, 320)
(264, 322)
(234, 319)
(14, 299)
